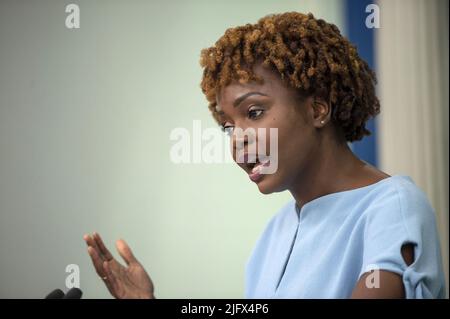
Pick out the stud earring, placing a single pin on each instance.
(322, 122)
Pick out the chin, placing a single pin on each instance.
(268, 185)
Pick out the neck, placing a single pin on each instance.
(333, 169)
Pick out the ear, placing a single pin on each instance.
(321, 112)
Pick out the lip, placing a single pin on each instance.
(255, 175)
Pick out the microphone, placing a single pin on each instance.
(55, 294)
(74, 293)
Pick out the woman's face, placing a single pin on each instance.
(265, 106)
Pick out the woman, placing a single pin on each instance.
(351, 230)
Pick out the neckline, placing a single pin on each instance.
(345, 192)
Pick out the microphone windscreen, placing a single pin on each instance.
(74, 293)
(55, 294)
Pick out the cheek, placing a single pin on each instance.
(294, 143)
(286, 135)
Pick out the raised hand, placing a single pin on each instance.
(123, 282)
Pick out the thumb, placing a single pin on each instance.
(125, 252)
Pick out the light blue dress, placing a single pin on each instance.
(323, 249)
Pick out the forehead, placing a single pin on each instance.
(271, 84)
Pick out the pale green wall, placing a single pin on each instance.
(85, 117)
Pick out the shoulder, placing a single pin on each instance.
(398, 200)
(399, 213)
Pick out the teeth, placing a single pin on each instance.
(258, 165)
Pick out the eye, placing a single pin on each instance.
(228, 129)
(254, 113)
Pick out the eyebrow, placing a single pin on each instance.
(244, 96)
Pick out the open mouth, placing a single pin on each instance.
(253, 164)
(250, 166)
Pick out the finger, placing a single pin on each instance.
(125, 252)
(86, 239)
(91, 242)
(97, 261)
(108, 256)
(110, 281)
